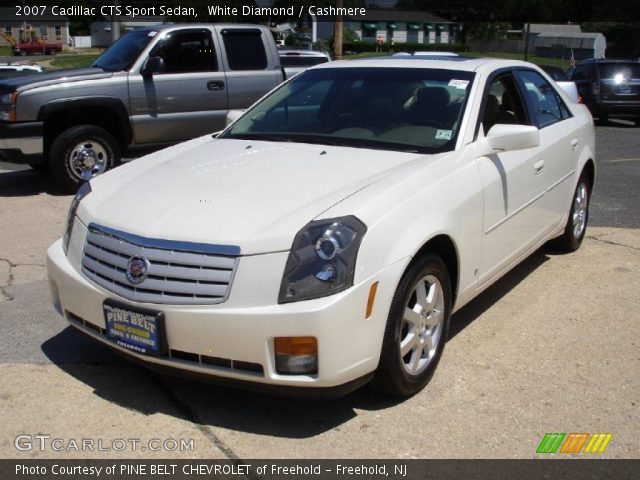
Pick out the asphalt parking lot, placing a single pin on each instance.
(552, 347)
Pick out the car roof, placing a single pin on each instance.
(467, 64)
(19, 66)
(301, 53)
(425, 54)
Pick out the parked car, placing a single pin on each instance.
(36, 48)
(154, 86)
(325, 237)
(296, 61)
(610, 88)
(563, 81)
(18, 69)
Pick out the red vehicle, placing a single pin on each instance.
(36, 47)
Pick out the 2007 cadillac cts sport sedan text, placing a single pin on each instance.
(324, 238)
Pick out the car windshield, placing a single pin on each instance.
(124, 52)
(622, 71)
(404, 109)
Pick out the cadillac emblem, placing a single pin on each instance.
(137, 269)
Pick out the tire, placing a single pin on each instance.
(404, 376)
(23, 53)
(52, 52)
(81, 153)
(576, 226)
(637, 121)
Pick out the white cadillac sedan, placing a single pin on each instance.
(324, 239)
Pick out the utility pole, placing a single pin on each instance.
(115, 24)
(337, 32)
(526, 40)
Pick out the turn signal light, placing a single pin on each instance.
(296, 355)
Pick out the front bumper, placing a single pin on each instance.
(241, 330)
(21, 142)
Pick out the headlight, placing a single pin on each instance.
(8, 107)
(82, 192)
(322, 259)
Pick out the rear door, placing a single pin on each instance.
(559, 145)
(189, 98)
(251, 66)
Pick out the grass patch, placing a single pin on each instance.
(5, 51)
(72, 61)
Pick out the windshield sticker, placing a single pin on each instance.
(461, 84)
(152, 34)
(443, 134)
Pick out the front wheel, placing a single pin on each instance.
(416, 329)
(80, 154)
(576, 226)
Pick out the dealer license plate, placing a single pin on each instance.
(135, 329)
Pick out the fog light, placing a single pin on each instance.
(296, 355)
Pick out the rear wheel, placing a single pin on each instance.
(52, 52)
(80, 154)
(416, 329)
(576, 226)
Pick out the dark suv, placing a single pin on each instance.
(610, 88)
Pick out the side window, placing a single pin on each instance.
(187, 52)
(577, 73)
(542, 100)
(245, 49)
(503, 104)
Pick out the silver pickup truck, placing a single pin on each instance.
(153, 87)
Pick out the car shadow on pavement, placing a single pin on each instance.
(471, 311)
(136, 388)
(24, 183)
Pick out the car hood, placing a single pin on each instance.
(48, 78)
(251, 194)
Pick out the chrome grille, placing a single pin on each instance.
(179, 272)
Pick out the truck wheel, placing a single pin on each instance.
(23, 53)
(81, 153)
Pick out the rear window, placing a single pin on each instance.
(626, 71)
(301, 61)
(245, 49)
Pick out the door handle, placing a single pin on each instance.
(574, 143)
(215, 85)
(538, 167)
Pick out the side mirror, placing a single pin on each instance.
(505, 138)
(152, 65)
(233, 115)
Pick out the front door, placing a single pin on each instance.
(513, 184)
(188, 99)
